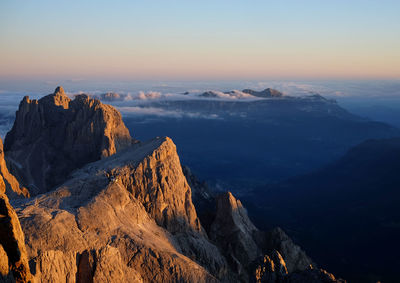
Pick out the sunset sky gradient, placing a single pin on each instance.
(217, 39)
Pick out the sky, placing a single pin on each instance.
(189, 40)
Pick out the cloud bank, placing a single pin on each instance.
(136, 111)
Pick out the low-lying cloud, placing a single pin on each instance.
(234, 94)
(142, 96)
(160, 112)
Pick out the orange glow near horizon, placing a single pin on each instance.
(193, 41)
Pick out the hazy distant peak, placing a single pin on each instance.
(110, 96)
(318, 97)
(233, 94)
(268, 92)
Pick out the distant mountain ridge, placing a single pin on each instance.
(278, 137)
(269, 92)
(235, 94)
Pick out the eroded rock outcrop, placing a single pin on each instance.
(54, 135)
(129, 215)
(13, 256)
(312, 275)
(12, 187)
(233, 231)
(270, 269)
(276, 239)
(256, 255)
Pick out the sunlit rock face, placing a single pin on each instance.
(127, 218)
(12, 187)
(13, 256)
(54, 135)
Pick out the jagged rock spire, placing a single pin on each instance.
(59, 90)
(54, 135)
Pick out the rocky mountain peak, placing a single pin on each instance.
(230, 211)
(59, 91)
(126, 218)
(234, 233)
(58, 98)
(54, 135)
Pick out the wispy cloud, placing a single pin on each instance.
(234, 94)
(143, 95)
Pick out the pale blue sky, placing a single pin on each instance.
(199, 39)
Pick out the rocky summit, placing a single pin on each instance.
(54, 135)
(127, 215)
(127, 218)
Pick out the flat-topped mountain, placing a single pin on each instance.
(233, 94)
(54, 135)
(266, 93)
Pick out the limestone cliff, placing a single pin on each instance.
(13, 257)
(12, 186)
(54, 135)
(127, 218)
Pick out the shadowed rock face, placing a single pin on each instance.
(276, 239)
(13, 257)
(54, 135)
(312, 275)
(257, 256)
(12, 187)
(233, 231)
